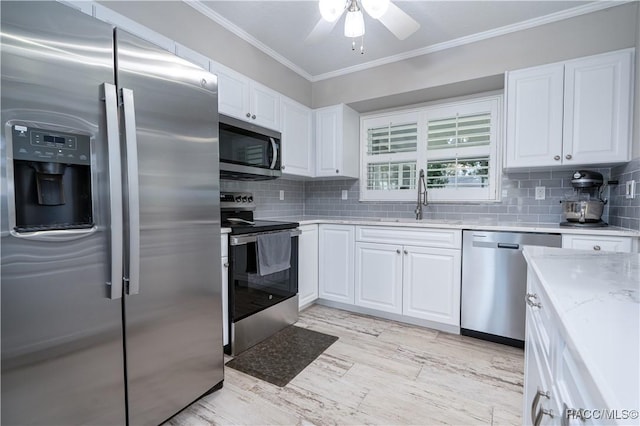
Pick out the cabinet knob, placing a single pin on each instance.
(337, 171)
(596, 248)
(557, 157)
(530, 300)
(253, 116)
(226, 265)
(568, 157)
(248, 115)
(406, 252)
(398, 251)
(282, 168)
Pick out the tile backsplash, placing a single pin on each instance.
(625, 212)
(324, 198)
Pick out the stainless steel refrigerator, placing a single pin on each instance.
(110, 290)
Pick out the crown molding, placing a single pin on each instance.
(461, 41)
(219, 19)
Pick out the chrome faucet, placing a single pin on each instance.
(422, 195)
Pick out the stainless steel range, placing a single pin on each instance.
(263, 272)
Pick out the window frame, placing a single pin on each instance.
(492, 103)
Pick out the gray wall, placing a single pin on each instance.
(267, 196)
(610, 29)
(187, 26)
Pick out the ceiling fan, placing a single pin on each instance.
(390, 15)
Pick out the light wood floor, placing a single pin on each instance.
(378, 372)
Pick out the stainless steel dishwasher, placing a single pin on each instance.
(494, 282)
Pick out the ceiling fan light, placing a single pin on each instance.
(354, 24)
(331, 9)
(375, 8)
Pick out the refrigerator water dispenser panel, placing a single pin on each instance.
(52, 179)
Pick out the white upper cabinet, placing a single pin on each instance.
(597, 107)
(534, 116)
(337, 141)
(573, 113)
(243, 98)
(297, 139)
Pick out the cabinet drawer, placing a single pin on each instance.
(539, 312)
(445, 238)
(224, 245)
(576, 390)
(597, 243)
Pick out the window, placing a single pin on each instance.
(389, 150)
(456, 144)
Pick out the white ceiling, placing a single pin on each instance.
(280, 28)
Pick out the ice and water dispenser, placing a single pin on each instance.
(52, 179)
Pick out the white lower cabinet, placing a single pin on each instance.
(431, 284)
(599, 243)
(378, 282)
(307, 265)
(335, 262)
(556, 388)
(419, 280)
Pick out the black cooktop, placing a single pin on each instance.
(258, 226)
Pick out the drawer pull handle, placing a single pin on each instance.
(596, 248)
(529, 299)
(535, 402)
(541, 413)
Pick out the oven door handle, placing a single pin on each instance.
(239, 240)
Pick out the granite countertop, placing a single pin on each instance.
(597, 299)
(486, 225)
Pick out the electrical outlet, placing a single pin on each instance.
(345, 194)
(540, 192)
(630, 189)
(281, 195)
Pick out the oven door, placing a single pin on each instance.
(250, 292)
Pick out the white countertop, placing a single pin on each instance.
(597, 298)
(487, 225)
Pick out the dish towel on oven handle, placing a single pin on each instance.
(274, 252)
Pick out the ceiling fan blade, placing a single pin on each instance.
(320, 31)
(398, 22)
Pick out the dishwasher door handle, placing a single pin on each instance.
(509, 246)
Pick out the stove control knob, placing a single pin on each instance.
(238, 198)
(244, 199)
(250, 199)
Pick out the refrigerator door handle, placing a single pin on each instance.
(129, 116)
(115, 189)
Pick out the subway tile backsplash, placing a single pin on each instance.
(323, 198)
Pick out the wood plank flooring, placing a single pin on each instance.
(379, 372)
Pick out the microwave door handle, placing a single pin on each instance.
(274, 148)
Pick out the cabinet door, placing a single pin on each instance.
(328, 124)
(431, 284)
(233, 93)
(225, 301)
(264, 106)
(534, 116)
(307, 265)
(598, 109)
(597, 243)
(335, 262)
(297, 154)
(379, 277)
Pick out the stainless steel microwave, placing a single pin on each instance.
(247, 151)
